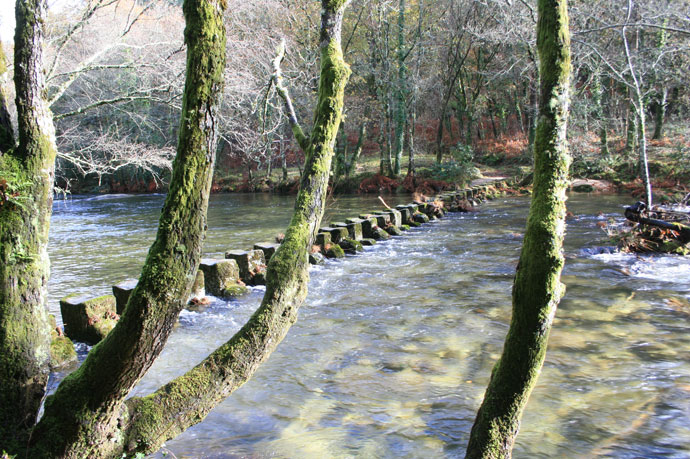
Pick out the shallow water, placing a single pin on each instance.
(393, 348)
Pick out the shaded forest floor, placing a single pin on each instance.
(505, 156)
(617, 172)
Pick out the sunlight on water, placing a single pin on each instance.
(394, 347)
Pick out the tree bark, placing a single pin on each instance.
(188, 399)
(84, 417)
(537, 288)
(28, 172)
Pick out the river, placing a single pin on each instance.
(393, 348)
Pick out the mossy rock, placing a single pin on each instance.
(405, 227)
(233, 290)
(335, 251)
(368, 242)
(351, 246)
(323, 239)
(62, 352)
(421, 218)
(380, 234)
(394, 230)
(87, 319)
(219, 274)
(414, 224)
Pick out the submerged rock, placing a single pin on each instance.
(88, 319)
(368, 242)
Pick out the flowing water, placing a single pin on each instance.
(393, 347)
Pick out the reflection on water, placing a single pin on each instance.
(394, 347)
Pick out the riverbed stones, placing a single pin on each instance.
(222, 277)
(268, 248)
(252, 265)
(122, 292)
(383, 220)
(88, 319)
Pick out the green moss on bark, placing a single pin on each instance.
(188, 399)
(537, 289)
(85, 416)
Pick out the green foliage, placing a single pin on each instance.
(14, 188)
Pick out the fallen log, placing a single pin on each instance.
(636, 212)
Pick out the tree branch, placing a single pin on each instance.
(277, 79)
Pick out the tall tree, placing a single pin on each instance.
(25, 210)
(537, 289)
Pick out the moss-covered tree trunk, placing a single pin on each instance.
(188, 399)
(6, 133)
(537, 288)
(84, 418)
(25, 209)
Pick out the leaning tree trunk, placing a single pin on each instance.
(188, 399)
(85, 416)
(6, 132)
(537, 289)
(27, 173)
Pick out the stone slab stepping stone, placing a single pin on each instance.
(268, 248)
(252, 265)
(122, 291)
(88, 319)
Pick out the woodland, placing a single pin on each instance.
(123, 95)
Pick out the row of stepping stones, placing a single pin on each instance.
(89, 320)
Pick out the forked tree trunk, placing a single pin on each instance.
(537, 288)
(28, 171)
(188, 399)
(85, 417)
